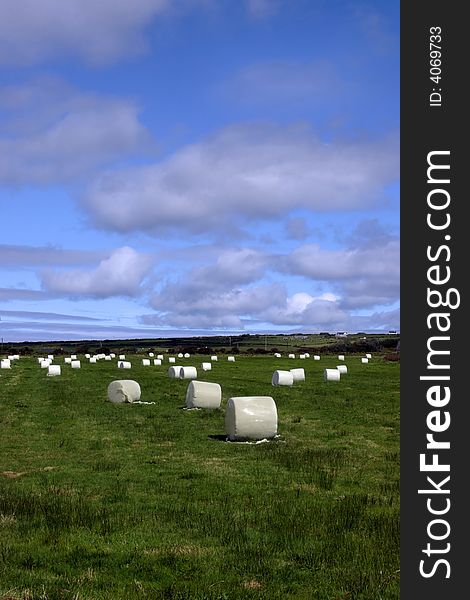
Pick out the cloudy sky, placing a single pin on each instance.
(178, 167)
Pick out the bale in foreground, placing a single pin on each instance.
(282, 378)
(202, 394)
(123, 390)
(250, 418)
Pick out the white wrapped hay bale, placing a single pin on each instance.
(282, 378)
(112, 355)
(160, 356)
(214, 358)
(93, 360)
(331, 375)
(174, 372)
(180, 355)
(40, 359)
(73, 356)
(123, 390)
(186, 355)
(108, 357)
(68, 361)
(87, 355)
(340, 356)
(151, 354)
(231, 358)
(172, 359)
(5, 363)
(188, 373)
(75, 364)
(364, 360)
(368, 355)
(298, 374)
(250, 418)
(316, 357)
(206, 366)
(53, 370)
(124, 364)
(342, 369)
(277, 355)
(45, 363)
(202, 394)
(291, 355)
(50, 356)
(302, 356)
(146, 362)
(307, 355)
(157, 362)
(122, 357)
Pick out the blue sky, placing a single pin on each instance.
(178, 167)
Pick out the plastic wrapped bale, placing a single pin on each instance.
(75, 364)
(368, 355)
(364, 360)
(277, 355)
(307, 355)
(291, 355)
(53, 370)
(174, 372)
(214, 358)
(282, 378)
(302, 356)
(151, 354)
(5, 363)
(50, 356)
(331, 375)
(250, 418)
(124, 364)
(87, 355)
(342, 369)
(157, 362)
(180, 355)
(40, 359)
(160, 356)
(188, 373)
(73, 356)
(172, 359)
(340, 356)
(68, 361)
(108, 357)
(206, 366)
(112, 355)
(123, 390)
(202, 394)
(146, 362)
(316, 357)
(93, 360)
(122, 357)
(45, 363)
(298, 374)
(186, 355)
(231, 358)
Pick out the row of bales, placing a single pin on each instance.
(247, 418)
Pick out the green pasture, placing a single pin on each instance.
(124, 502)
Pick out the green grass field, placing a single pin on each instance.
(103, 501)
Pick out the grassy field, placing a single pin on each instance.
(103, 501)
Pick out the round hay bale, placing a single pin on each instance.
(364, 360)
(73, 356)
(45, 363)
(188, 373)
(124, 364)
(123, 390)
(75, 364)
(307, 355)
(180, 355)
(108, 357)
(316, 357)
(151, 354)
(342, 368)
(93, 359)
(202, 394)
(53, 370)
(298, 374)
(122, 357)
(67, 361)
(160, 356)
(291, 355)
(214, 358)
(282, 378)
(250, 418)
(368, 355)
(112, 355)
(172, 359)
(40, 359)
(331, 375)
(50, 356)
(277, 355)
(87, 355)
(174, 372)
(302, 356)
(157, 362)
(206, 366)
(5, 363)
(187, 355)
(146, 362)
(340, 356)
(231, 358)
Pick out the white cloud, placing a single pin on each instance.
(14, 256)
(244, 172)
(97, 32)
(55, 133)
(121, 274)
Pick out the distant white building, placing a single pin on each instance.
(341, 334)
